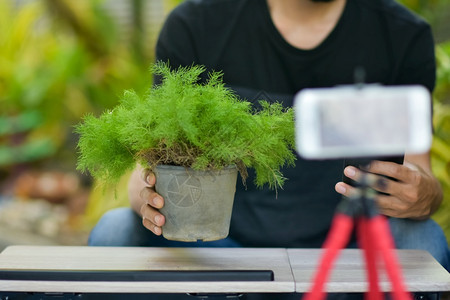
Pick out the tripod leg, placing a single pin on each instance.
(370, 254)
(337, 238)
(385, 244)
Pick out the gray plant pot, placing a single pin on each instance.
(197, 204)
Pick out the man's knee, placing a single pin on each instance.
(116, 227)
(424, 235)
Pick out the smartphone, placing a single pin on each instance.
(362, 122)
(362, 162)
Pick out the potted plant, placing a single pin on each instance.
(195, 137)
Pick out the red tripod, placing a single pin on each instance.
(374, 238)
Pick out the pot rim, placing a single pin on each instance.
(230, 167)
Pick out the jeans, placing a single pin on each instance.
(123, 227)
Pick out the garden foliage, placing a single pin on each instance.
(58, 61)
(440, 150)
(187, 123)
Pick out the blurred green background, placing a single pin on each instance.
(61, 59)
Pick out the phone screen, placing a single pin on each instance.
(374, 121)
(364, 123)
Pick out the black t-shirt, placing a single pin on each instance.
(238, 37)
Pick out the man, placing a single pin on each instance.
(271, 49)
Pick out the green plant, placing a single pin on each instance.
(191, 124)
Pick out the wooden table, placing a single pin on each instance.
(292, 269)
(139, 258)
(421, 272)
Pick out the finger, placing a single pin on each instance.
(378, 183)
(148, 177)
(389, 187)
(152, 215)
(393, 213)
(388, 212)
(152, 227)
(391, 206)
(149, 196)
(389, 169)
(346, 190)
(360, 176)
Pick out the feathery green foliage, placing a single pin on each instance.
(183, 122)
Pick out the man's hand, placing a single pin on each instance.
(413, 192)
(145, 200)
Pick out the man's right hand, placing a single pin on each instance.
(145, 200)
